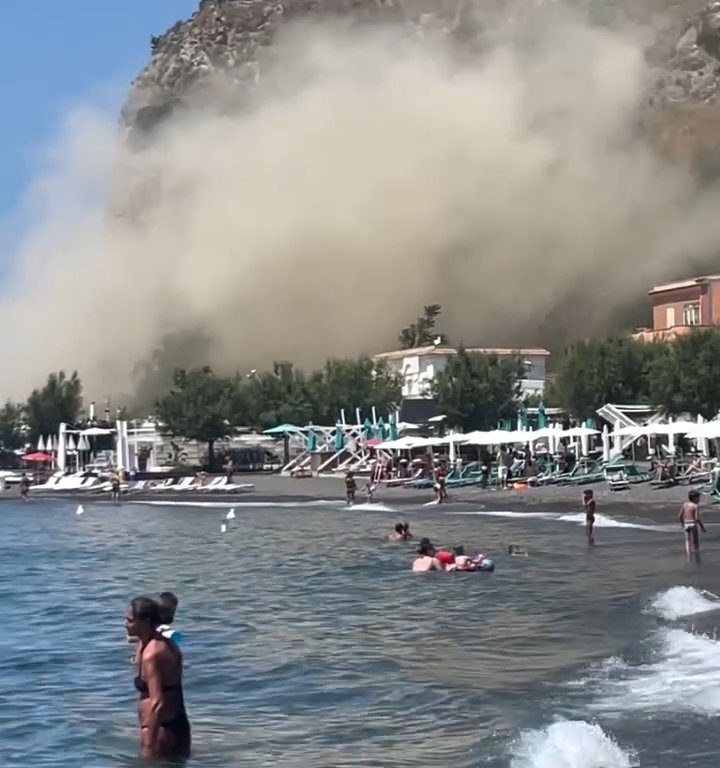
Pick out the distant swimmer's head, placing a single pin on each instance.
(426, 548)
(399, 529)
(168, 603)
(694, 496)
(142, 617)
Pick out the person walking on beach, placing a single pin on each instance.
(350, 488)
(588, 502)
(690, 521)
(115, 486)
(164, 726)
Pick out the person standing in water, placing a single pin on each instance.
(588, 501)
(350, 488)
(24, 487)
(690, 521)
(164, 726)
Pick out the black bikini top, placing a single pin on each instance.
(142, 687)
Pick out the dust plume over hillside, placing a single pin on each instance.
(368, 174)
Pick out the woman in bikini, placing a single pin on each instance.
(164, 727)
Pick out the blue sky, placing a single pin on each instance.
(57, 54)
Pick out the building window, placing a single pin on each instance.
(669, 317)
(691, 313)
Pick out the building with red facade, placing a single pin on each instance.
(679, 307)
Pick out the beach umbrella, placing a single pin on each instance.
(70, 443)
(585, 440)
(393, 430)
(310, 439)
(381, 429)
(541, 417)
(522, 418)
(282, 429)
(41, 444)
(83, 443)
(606, 443)
(38, 457)
(367, 429)
(700, 441)
(339, 437)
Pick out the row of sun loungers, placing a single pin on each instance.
(74, 484)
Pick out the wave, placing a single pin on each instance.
(569, 744)
(601, 521)
(678, 602)
(371, 507)
(683, 676)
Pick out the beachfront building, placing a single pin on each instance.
(679, 307)
(418, 367)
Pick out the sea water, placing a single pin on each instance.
(309, 643)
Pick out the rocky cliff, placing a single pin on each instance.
(227, 38)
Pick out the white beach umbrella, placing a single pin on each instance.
(70, 443)
(606, 443)
(41, 444)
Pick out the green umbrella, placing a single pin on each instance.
(339, 437)
(392, 430)
(381, 429)
(367, 429)
(311, 439)
(541, 416)
(282, 429)
(522, 417)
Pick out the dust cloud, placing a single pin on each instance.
(368, 174)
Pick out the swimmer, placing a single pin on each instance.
(350, 488)
(690, 521)
(589, 503)
(164, 726)
(515, 551)
(399, 534)
(168, 604)
(446, 557)
(426, 560)
(463, 562)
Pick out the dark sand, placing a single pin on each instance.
(274, 488)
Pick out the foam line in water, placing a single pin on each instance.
(603, 521)
(371, 507)
(509, 513)
(684, 676)
(678, 602)
(569, 744)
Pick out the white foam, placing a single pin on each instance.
(683, 677)
(677, 602)
(371, 507)
(508, 513)
(569, 744)
(603, 521)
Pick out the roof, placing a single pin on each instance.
(399, 354)
(691, 283)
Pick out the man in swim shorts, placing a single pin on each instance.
(350, 488)
(690, 520)
(589, 504)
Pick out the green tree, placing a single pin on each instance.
(11, 423)
(198, 407)
(685, 378)
(58, 401)
(478, 391)
(599, 371)
(422, 332)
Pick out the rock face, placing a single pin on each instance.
(228, 36)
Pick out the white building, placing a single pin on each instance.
(418, 367)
